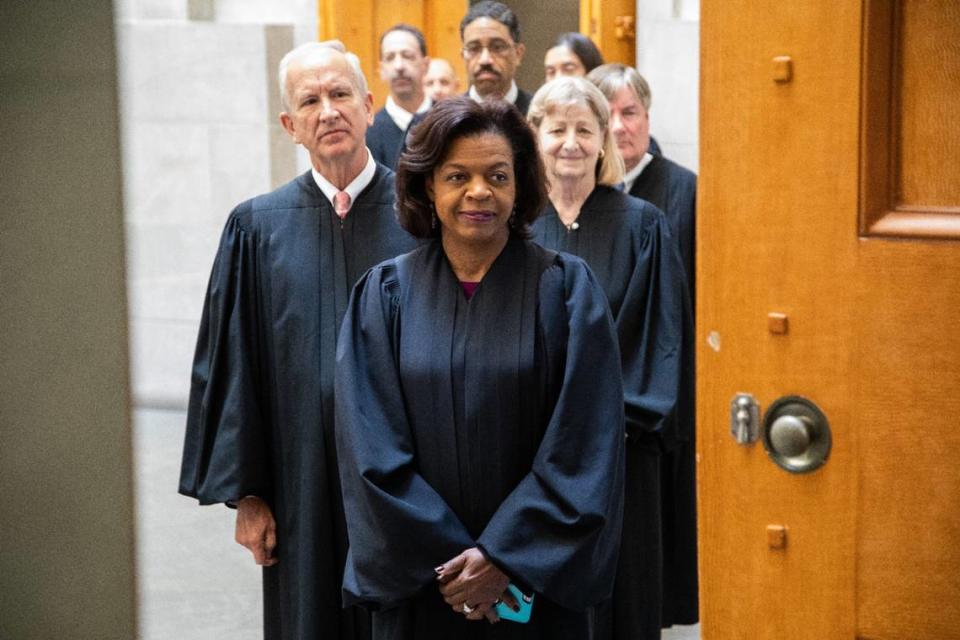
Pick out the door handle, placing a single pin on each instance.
(796, 434)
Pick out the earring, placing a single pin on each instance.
(512, 221)
(602, 153)
(433, 216)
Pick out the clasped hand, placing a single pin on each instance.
(470, 579)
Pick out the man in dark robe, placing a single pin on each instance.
(490, 33)
(673, 189)
(259, 431)
(403, 64)
(494, 422)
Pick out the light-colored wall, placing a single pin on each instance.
(66, 489)
(200, 134)
(668, 56)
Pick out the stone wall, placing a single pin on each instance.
(200, 134)
(668, 56)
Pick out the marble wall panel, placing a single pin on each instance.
(150, 9)
(240, 166)
(668, 56)
(275, 12)
(169, 276)
(167, 172)
(161, 356)
(683, 154)
(199, 72)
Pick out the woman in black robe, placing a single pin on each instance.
(478, 398)
(673, 189)
(628, 246)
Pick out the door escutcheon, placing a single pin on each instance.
(796, 434)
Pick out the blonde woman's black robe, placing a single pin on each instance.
(628, 245)
(673, 189)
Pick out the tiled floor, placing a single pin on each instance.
(195, 583)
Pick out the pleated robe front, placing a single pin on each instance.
(494, 422)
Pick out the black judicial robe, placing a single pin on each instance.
(628, 246)
(673, 189)
(494, 422)
(523, 101)
(385, 139)
(260, 419)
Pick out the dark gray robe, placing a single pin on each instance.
(673, 189)
(494, 422)
(260, 419)
(385, 139)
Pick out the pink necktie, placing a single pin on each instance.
(341, 203)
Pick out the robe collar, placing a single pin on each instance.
(400, 116)
(363, 179)
(511, 96)
(634, 173)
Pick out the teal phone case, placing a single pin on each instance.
(526, 607)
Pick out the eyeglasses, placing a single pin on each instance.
(498, 48)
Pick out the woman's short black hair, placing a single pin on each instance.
(429, 142)
(582, 47)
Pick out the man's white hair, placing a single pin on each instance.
(312, 48)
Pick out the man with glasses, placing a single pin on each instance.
(492, 50)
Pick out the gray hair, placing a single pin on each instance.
(612, 77)
(309, 49)
(569, 90)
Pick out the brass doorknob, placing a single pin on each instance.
(796, 434)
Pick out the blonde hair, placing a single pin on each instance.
(568, 90)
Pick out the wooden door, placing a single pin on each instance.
(830, 194)
(612, 25)
(360, 23)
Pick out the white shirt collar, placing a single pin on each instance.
(634, 173)
(400, 116)
(511, 96)
(364, 178)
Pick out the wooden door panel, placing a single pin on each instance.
(908, 412)
(359, 24)
(871, 335)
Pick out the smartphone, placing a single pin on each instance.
(526, 606)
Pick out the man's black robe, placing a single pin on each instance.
(260, 419)
(494, 422)
(628, 246)
(385, 139)
(673, 189)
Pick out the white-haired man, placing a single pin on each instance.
(259, 429)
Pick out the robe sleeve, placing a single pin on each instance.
(558, 532)
(382, 491)
(225, 453)
(649, 328)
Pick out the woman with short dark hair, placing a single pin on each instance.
(479, 404)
